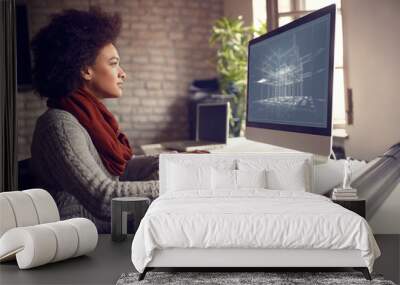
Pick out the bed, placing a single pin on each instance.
(247, 210)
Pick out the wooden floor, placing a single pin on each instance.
(111, 259)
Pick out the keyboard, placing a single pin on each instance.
(190, 145)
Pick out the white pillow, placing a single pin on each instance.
(282, 174)
(224, 179)
(292, 180)
(252, 178)
(188, 177)
(231, 180)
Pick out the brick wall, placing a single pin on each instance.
(163, 47)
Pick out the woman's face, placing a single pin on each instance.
(105, 77)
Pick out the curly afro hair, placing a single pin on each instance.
(70, 42)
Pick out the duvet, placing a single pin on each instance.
(250, 218)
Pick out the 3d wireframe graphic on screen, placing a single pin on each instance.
(290, 81)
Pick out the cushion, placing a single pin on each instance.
(252, 178)
(224, 179)
(188, 177)
(282, 174)
(23, 208)
(45, 205)
(31, 232)
(26, 208)
(168, 175)
(294, 180)
(40, 244)
(66, 237)
(7, 220)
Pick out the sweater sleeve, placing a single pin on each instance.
(141, 168)
(73, 167)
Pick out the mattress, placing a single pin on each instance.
(250, 219)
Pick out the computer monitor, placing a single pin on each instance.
(212, 122)
(290, 77)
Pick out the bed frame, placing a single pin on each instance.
(242, 259)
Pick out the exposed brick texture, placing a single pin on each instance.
(163, 47)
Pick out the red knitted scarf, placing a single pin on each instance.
(111, 144)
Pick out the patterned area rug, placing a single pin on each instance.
(269, 278)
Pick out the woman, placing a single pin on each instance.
(78, 152)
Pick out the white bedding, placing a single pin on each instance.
(251, 218)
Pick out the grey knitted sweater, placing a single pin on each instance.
(66, 163)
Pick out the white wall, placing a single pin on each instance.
(372, 65)
(386, 220)
(372, 62)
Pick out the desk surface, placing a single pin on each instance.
(239, 144)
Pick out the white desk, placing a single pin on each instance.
(239, 144)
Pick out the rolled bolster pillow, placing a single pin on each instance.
(26, 208)
(23, 208)
(67, 240)
(7, 218)
(87, 235)
(33, 246)
(45, 205)
(40, 244)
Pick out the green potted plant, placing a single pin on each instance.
(231, 38)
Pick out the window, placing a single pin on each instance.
(259, 13)
(289, 10)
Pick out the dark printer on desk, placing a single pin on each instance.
(203, 91)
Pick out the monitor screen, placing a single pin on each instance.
(212, 119)
(290, 74)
